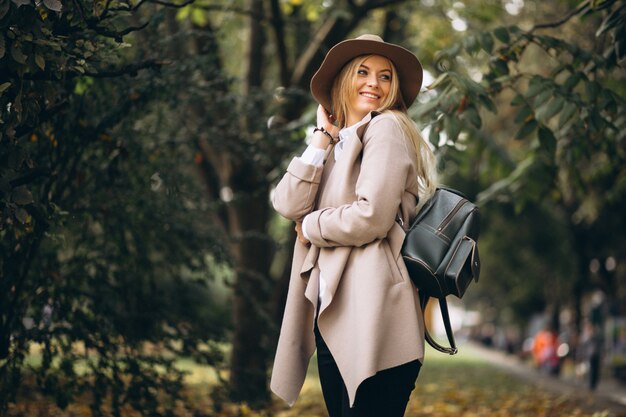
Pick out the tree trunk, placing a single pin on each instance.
(252, 254)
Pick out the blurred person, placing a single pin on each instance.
(350, 194)
(591, 353)
(545, 348)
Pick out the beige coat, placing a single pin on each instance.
(370, 316)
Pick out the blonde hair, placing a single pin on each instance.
(394, 105)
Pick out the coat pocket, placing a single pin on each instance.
(392, 260)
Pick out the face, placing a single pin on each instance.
(371, 85)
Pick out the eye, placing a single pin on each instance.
(361, 72)
(385, 77)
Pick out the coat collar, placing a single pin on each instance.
(359, 127)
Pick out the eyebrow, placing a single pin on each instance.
(366, 67)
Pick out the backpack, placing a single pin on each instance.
(440, 252)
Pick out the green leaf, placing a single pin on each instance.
(199, 17)
(535, 86)
(526, 129)
(547, 140)
(596, 121)
(21, 215)
(502, 34)
(522, 115)
(544, 96)
(607, 99)
(568, 111)
(500, 67)
(517, 100)
(487, 103)
(550, 109)
(451, 124)
(472, 116)
(472, 86)
(17, 53)
(486, 41)
(549, 41)
(572, 80)
(41, 63)
(471, 45)
(4, 86)
(437, 81)
(593, 88)
(21, 196)
(433, 135)
(54, 5)
(610, 21)
(620, 48)
(3, 48)
(4, 8)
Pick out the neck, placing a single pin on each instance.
(353, 119)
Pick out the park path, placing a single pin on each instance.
(609, 395)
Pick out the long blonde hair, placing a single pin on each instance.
(395, 106)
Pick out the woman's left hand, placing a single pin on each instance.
(301, 237)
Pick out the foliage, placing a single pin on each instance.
(563, 98)
(105, 257)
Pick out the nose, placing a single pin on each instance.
(372, 80)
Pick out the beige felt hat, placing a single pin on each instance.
(408, 66)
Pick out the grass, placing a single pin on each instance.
(465, 385)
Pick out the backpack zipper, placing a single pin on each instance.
(450, 215)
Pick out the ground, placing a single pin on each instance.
(475, 383)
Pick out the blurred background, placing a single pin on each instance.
(142, 269)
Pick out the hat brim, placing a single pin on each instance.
(409, 68)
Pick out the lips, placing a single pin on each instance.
(369, 95)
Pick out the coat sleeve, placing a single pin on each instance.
(385, 165)
(295, 194)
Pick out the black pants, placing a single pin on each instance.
(385, 394)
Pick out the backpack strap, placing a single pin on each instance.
(443, 305)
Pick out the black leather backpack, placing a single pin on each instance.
(440, 251)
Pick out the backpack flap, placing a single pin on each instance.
(459, 270)
(475, 262)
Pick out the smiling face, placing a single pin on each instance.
(366, 83)
(370, 87)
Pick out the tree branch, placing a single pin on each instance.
(255, 55)
(238, 10)
(117, 35)
(304, 63)
(332, 30)
(373, 4)
(130, 69)
(279, 31)
(30, 177)
(581, 7)
(142, 2)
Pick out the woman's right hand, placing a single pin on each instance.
(325, 120)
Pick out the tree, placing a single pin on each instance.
(102, 231)
(568, 119)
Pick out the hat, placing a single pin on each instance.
(407, 65)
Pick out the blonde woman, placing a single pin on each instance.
(350, 193)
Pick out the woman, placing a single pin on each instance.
(350, 193)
